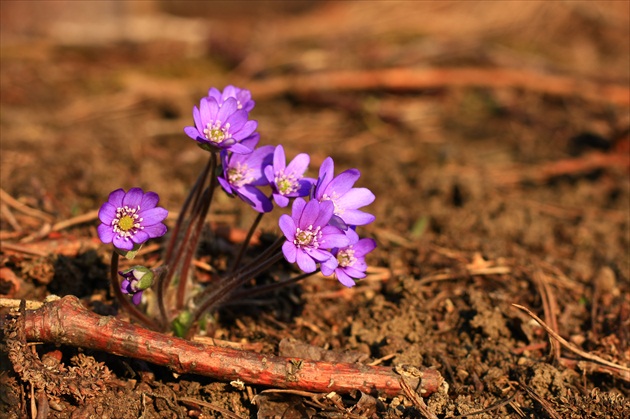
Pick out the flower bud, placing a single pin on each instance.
(137, 279)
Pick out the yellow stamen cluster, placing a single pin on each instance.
(127, 222)
(308, 238)
(215, 133)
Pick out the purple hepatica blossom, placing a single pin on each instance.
(222, 126)
(243, 173)
(309, 234)
(137, 279)
(346, 199)
(243, 97)
(350, 260)
(287, 180)
(131, 218)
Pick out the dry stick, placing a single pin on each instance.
(79, 219)
(25, 209)
(570, 346)
(544, 403)
(67, 322)
(414, 79)
(550, 308)
(416, 399)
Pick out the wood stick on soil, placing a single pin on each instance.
(413, 79)
(67, 322)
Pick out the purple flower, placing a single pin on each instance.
(222, 126)
(137, 279)
(243, 97)
(131, 218)
(346, 199)
(287, 180)
(243, 173)
(350, 260)
(309, 235)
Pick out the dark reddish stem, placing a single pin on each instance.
(198, 218)
(177, 244)
(245, 244)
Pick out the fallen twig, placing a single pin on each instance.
(624, 371)
(25, 209)
(413, 79)
(66, 321)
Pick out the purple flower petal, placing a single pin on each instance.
(326, 174)
(255, 197)
(239, 148)
(121, 243)
(357, 217)
(226, 186)
(133, 198)
(149, 200)
(305, 262)
(328, 267)
(116, 197)
(364, 246)
(105, 233)
(326, 209)
(251, 142)
(107, 213)
(344, 182)
(356, 198)
(198, 121)
(299, 164)
(309, 215)
(287, 226)
(333, 237)
(140, 237)
(344, 278)
(237, 120)
(193, 133)
(137, 298)
(208, 109)
(227, 108)
(290, 252)
(318, 255)
(156, 230)
(153, 216)
(281, 200)
(298, 207)
(279, 159)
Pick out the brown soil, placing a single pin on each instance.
(489, 193)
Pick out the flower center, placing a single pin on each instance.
(308, 238)
(217, 134)
(346, 257)
(240, 175)
(286, 184)
(127, 222)
(333, 197)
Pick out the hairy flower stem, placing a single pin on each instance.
(124, 301)
(179, 252)
(193, 197)
(211, 297)
(198, 220)
(245, 243)
(263, 289)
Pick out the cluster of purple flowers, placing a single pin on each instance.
(324, 213)
(320, 231)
